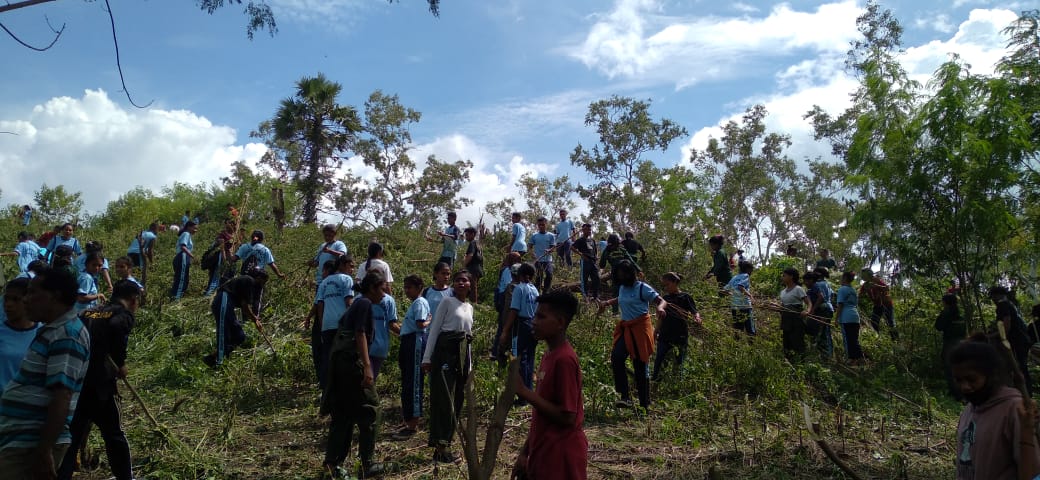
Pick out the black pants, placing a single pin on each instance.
(665, 347)
(181, 269)
(524, 346)
(349, 404)
(883, 312)
(543, 275)
(447, 383)
(229, 330)
(589, 279)
(618, 356)
(850, 335)
(103, 412)
(792, 327)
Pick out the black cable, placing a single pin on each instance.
(119, 65)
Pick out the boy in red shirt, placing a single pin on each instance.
(556, 447)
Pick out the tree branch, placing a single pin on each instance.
(17, 5)
(38, 49)
(115, 42)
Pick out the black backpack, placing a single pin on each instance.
(210, 258)
(249, 263)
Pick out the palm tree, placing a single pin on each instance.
(307, 135)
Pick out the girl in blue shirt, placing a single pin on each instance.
(518, 323)
(65, 238)
(16, 330)
(182, 261)
(634, 333)
(848, 316)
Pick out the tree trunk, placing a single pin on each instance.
(278, 202)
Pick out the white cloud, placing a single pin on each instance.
(939, 22)
(336, 14)
(978, 41)
(822, 81)
(635, 41)
(92, 145)
(526, 118)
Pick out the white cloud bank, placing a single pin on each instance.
(94, 146)
(635, 40)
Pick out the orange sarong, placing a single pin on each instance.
(638, 335)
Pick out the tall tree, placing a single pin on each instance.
(396, 191)
(627, 133)
(57, 205)
(307, 137)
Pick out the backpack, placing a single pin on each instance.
(249, 263)
(210, 258)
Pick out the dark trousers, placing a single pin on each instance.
(589, 279)
(105, 414)
(883, 312)
(409, 360)
(447, 383)
(325, 338)
(618, 356)
(543, 275)
(744, 320)
(501, 317)
(665, 349)
(564, 251)
(214, 276)
(229, 330)
(948, 346)
(524, 346)
(258, 297)
(181, 268)
(350, 405)
(135, 259)
(792, 327)
(850, 336)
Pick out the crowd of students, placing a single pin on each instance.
(60, 359)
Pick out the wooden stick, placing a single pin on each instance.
(133, 392)
(814, 433)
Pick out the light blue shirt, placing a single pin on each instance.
(57, 241)
(523, 302)
(26, 217)
(542, 242)
(504, 279)
(27, 251)
(824, 289)
(434, 296)
(418, 312)
(81, 263)
(451, 245)
(323, 257)
(264, 257)
(382, 316)
(87, 286)
(602, 245)
(334, 291)
(564, 229)
(13, 346)
(849, 302)
(738, 299)
(520, 244)
(634, 301)
(185, 239)
(147, 237)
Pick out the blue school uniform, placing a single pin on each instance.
(409, 358)
(28, 251)
(564, 229)
(434, 296)
(259, 252)
(322, 257)
(57, 241)
(87, 286)
(26, 218)
(524, 344)
(542, 242)
(147, 237)
(334, 291)
(520, 242)
(634, 301)
(13, 346)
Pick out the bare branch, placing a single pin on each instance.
(17, 5)
(115, 41)
(38, 49)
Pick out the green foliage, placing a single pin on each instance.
(618, 194)
(56, 205)
(306, 138)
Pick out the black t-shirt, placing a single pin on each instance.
(109, 328)
(1017, 335)
(587, 247)
(241, 289)
(358, 318)
(676, 324)
(720, 267)
(476, 263)
(632, 246)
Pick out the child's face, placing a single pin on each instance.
(451, 219)
(669, 285)
(328, 235)
(14, 304)
(349, 268)
(67, 231)
(972, 383)
(122, 270)
(94, 266)
(443, 276)
(587, 231)
(461, 286)
(470, 236)
(411, 291)
(541, 226)
(547, 323)
(516, 218)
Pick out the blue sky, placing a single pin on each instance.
(502, 83)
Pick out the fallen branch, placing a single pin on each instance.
(814, 433)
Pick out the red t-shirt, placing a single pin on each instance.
(554, 451)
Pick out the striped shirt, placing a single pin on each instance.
(57, 357)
